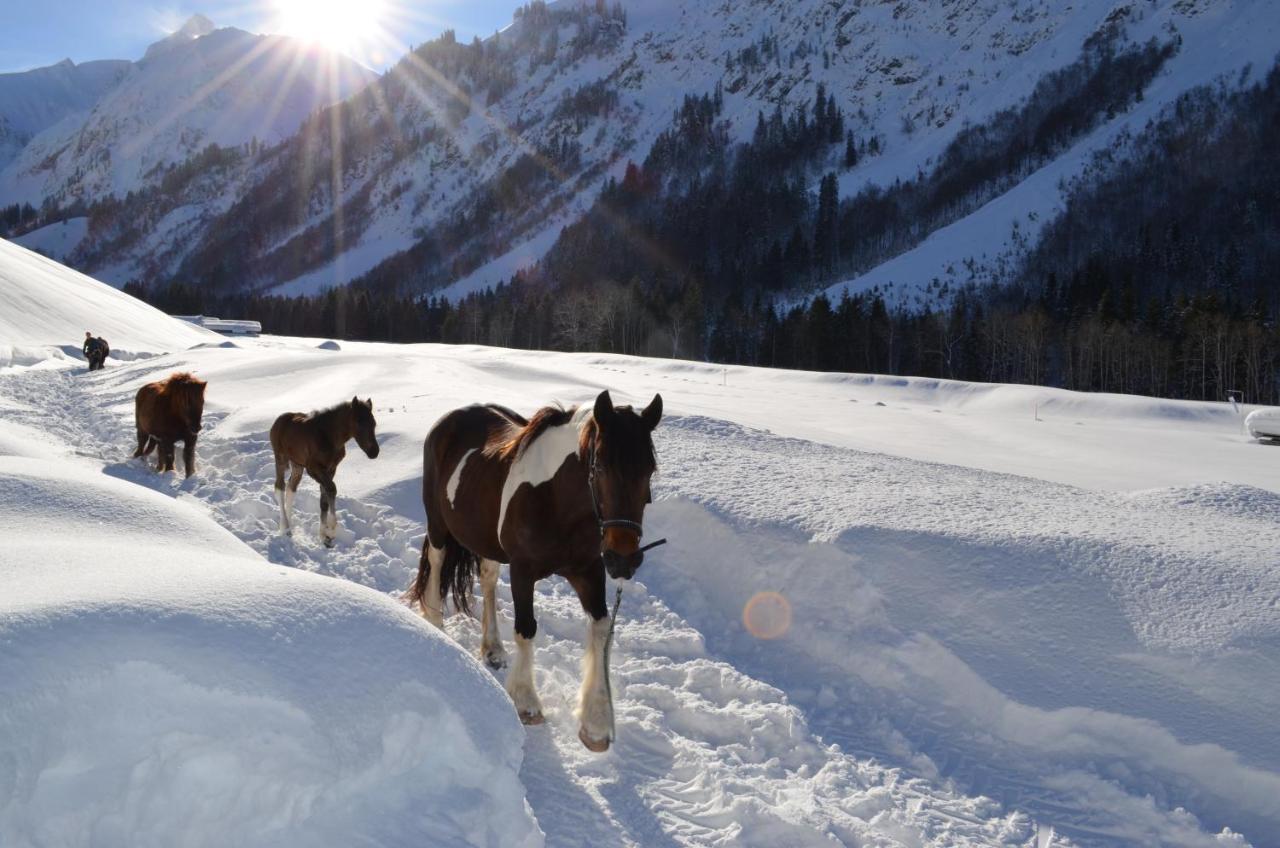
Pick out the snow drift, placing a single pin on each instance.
(47, 305)
(164, 686)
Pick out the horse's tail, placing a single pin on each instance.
(457, 575)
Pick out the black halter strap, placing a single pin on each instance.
(602, 522)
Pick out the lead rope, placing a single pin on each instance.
(608, 644)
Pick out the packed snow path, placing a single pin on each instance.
(1021, 654)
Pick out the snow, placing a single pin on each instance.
(44, 304)
(33, 101)
(504, 267)
(198, 86)
(1004, 227)
(56, 240)
(939, 65)
(162, 680)
(992, 610)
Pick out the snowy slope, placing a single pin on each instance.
(970, 656)
(46, 305)
(196, 87)
(56, 240)
(1218, 41)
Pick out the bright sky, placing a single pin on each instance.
(375, 32)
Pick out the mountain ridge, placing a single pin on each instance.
(198, 86)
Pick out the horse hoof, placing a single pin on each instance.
(531, 718)
(328, 543)
(596, 746)
(495, 660)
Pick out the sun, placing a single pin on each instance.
(348, 26)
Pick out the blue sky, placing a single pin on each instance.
(34, 33)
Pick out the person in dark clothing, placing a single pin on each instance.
(95, 350)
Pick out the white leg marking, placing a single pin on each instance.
(491, 650)
(520, 683)
(329, 523)
(284, 514)
(289, 495)
(594, 712)
(432, 604)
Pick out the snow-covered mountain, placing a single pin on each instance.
(582, 90)
(464, 162)
(35, 100)
(199, 86)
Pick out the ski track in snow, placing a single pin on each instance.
(725, 739)
(706, 755)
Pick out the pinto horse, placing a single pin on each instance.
(316, 443)
(166, 412)
(561, 493)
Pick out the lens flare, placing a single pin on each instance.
(767, 615)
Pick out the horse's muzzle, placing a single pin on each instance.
(622, 566)
(372, 452)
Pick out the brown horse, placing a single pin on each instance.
(316, 443)
(166, 412)
(561, 493)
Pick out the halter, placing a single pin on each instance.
(603, 523)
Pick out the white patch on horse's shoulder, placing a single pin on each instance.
(542, 458)
(451, 490)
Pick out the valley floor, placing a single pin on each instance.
(993, 627)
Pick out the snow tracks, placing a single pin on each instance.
(706, 755)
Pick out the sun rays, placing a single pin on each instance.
(373, 33)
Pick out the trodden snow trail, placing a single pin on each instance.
(706, 754)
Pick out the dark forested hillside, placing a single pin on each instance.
(763, 216)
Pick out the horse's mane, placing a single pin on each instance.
(180, 393)
(182, 378)
(181, 385)
(511, 443)
(330, 410)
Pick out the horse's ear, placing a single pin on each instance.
(355, 399)
(652, 413)
(604, 407)
(369, 403)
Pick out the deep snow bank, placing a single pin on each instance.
(44, 304)
(160, 684)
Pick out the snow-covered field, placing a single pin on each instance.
(984, 628)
